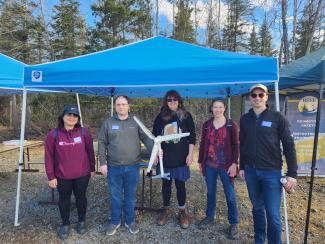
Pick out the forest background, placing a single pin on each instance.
(38, 31)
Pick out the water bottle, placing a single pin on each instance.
(284, 182)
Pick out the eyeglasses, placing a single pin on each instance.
(72, 115)
(172, 100)
(260, 95)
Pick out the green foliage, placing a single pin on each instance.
(120, 20)
(184, 29)
(265, 40)
(253, 44)
(304, 28)
(19, 29)
(68, 30)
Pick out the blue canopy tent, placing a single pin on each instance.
(11, 75)
(304, 72)
(150, 67)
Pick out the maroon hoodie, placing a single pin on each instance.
(69, 154)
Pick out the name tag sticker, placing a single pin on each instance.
(267, 123)
(77, 139)
(115, 127)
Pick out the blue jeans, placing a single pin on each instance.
(264, 189)
(123, 179)
(228, 187)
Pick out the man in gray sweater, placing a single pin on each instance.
(119, 151)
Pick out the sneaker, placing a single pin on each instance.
(133, 227)
(111, 229)
(63, 232)
(233, 232)
(205, 223)
(183, 219)
(81, 228)
(163, 218)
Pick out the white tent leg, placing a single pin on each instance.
(21, 153)
(229, 105)
(112, 106)
(78, 102)
(277, 106)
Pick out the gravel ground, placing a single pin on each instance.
(38, 223)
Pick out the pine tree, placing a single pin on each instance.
(184, 27)
(304, 29)
(253, 43)
(142, 25)
(233, 34)
(68, 30)
(18, 29)
(265, 40)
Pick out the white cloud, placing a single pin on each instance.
(264, 4)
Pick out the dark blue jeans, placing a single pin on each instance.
(264, 189)
(123, 180)
(228, 187)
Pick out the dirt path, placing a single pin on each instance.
(39, 223)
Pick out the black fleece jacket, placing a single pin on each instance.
(260, 139)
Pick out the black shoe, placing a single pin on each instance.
(63, 232)
(206, 222)
(81, 228)
(233, 232)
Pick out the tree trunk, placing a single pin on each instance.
(285, 46)
(294, 29)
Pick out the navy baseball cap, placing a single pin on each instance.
(71, 109)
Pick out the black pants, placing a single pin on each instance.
(78, 187)
(167, 191)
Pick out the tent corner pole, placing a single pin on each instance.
(229, 102)
(78, 102)
(277, 106)
(21, 154)
(313, 164)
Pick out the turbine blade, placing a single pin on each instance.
(173, 136)
(154, 153)
(143, 128)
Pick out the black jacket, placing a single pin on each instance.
(260, 142)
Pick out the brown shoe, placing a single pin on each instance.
(163, 218)
(183, 219)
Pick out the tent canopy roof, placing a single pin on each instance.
(11, 74)
(150, 67)
(304, 71)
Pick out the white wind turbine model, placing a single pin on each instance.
(157, 148)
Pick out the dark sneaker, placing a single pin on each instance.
(63, 232)
(233, 232)
(165, 215)
(133, 227)
(183, 219)
(205, 223)
(111, 229)
(81, 228)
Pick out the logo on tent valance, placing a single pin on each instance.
(37, 76)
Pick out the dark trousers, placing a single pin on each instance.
(78, 187)
(167, 191)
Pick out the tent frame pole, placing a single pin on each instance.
(277, 106)
(229, 102)
(313, 164)
(78, 102)
(21, 154)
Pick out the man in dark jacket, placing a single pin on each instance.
(261, 131)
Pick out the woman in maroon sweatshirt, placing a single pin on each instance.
(69, 163)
